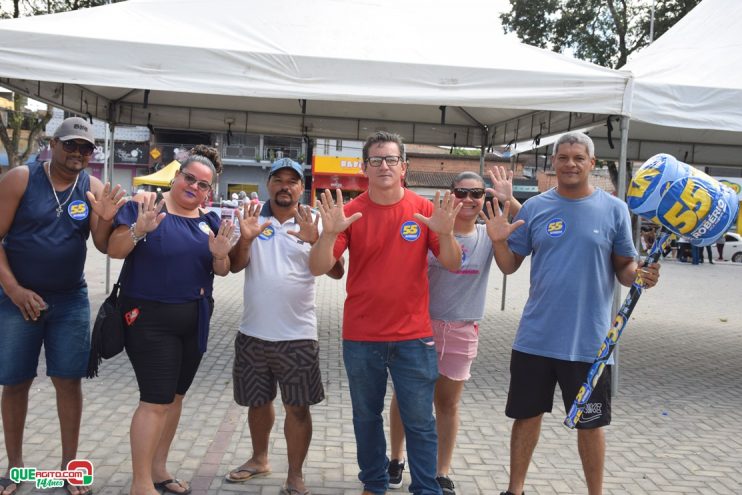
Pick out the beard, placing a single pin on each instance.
(284, 200)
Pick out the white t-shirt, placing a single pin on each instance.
(279, 290)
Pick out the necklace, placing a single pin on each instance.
(48, 170)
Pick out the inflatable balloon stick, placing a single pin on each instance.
(614, 333)
(682, 200)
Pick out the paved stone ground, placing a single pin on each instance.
(676, 422)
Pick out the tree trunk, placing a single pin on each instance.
(10, 135)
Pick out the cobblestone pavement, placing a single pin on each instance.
(676, 425)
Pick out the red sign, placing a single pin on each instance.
(344, 182)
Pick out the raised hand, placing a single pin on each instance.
(444, 214)
(149, 216)
(333, 216)
(249, 226)
(502, 181)
(221, 243)
(308, 228)
(498, 227)
(106, 202)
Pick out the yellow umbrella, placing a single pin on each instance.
(161, 178)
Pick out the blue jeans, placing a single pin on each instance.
(64, 330)
(414, 369)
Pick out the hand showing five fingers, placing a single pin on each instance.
(221, 243)
(149, 216)
(308, 227)
(249, 226)
(502, 181)
(498, 226)
(106, 202)
(333, 216)
(444, 214)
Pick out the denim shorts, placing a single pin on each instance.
(63, 329)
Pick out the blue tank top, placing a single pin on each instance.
(47, 253)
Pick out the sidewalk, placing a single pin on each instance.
(676, 426)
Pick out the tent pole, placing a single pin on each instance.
(108, 177)
(621, 194)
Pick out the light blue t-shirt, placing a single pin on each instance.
(568, 312)
(459, 295)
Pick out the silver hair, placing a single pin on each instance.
(575, 138)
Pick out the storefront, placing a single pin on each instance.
(338, 172)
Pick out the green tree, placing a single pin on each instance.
(39, 7)
(604, 32)
(19, 121)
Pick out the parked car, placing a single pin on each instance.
(733, 247)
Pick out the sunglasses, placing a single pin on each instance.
(85, 149)
(191, 179)
(463, 192)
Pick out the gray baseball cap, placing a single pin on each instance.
(75, 128)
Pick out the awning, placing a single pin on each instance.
(161, 178)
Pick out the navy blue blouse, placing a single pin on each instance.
(173, 263)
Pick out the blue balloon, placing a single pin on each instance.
(697, 207)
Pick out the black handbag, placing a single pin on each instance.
(107, 339)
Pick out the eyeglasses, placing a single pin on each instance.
(391, 160)
(70, 146)
(463, 192)
(192, 179)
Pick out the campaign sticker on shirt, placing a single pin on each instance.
(410, 231)
(556, 227)
(204, 227)
(78, 210)
(267, 233)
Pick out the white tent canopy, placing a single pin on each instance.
(691, 77)
(327, 68)
(687, 90)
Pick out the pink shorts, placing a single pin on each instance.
(456, 343)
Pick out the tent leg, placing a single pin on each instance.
(621, 193)
(108, 177)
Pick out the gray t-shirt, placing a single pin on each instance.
(459, 295)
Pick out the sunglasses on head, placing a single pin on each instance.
(463, 192)
(191, 179)
(70, 146)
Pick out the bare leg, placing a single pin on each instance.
(297, 428)
(69, 410)
(159, 462)
(260, 419)
(14, 406)
(396, 430)
(591, 445)
(147, 426)
(447, 397)
(523, 440)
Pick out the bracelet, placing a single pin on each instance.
(134, 237)
(220, 259)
